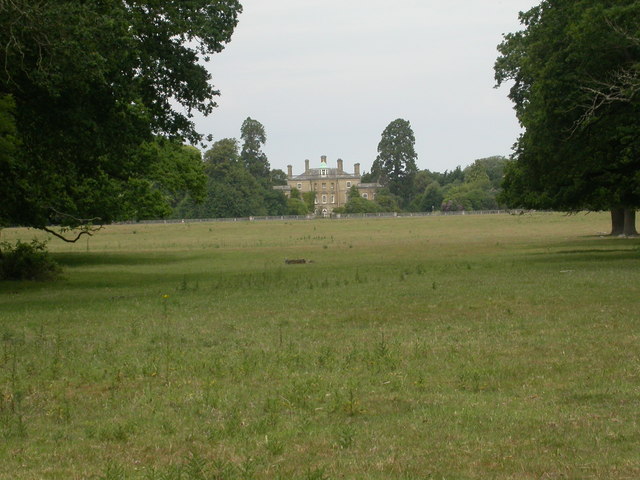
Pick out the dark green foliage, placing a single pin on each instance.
(295, 194)
(479, 188)
(278, 177)
(474, 188)
(473, 195)
(492, 167)
(368, 178)
(430, 199)
(357, 204)
(9, 144)
(231, 190)
(575, 69)
(361, 205)
(449, 177)
(27, 261)
(424, 178)
(253, 158)
(275, 203)
(395, 165)
(309, 199)
(221, 152)
(387, 201)
(175, 172)
(92, 82)
(295, 206)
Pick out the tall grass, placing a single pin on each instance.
(442, 347)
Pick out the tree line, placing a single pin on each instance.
(97, 102)
(238, 178)
(405, 188)
(239, 181)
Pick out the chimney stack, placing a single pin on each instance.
(339, 165)
(306, 165)
(356, 169)
(289, 171)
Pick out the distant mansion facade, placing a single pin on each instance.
(331, 185)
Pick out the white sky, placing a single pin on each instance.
(325, 77)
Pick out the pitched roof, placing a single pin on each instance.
(315, 174)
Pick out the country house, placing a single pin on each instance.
(331, 185)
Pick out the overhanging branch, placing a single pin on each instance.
(85, 226)
(82, 232)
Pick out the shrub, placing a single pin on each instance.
(361, 205)
(295, 206)
(27, 261)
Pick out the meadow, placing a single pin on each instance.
(467, 347)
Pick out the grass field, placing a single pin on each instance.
(468, 347)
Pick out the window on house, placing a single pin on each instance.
(333, 199)
(332, 188)
(324, 199)
(323, 172)
(299, 186)
(365, 195)
(324, 186)
(348, 184)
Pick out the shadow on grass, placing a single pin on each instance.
(113, 274)
(96, 259)
(595, 256)
(77, 291)
(592, 249)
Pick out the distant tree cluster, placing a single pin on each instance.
(475, 187)
(239, 181)
(405, 188)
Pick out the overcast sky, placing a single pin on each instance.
(325, 77)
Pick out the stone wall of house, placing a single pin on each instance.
(331, 185)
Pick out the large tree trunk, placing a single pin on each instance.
(630, 223)
(617, 221)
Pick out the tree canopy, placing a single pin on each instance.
(176, 172)
(575, 70)
(253, 137)
(395, 165)
(231, 189)
(84, 86)
(357, 204)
